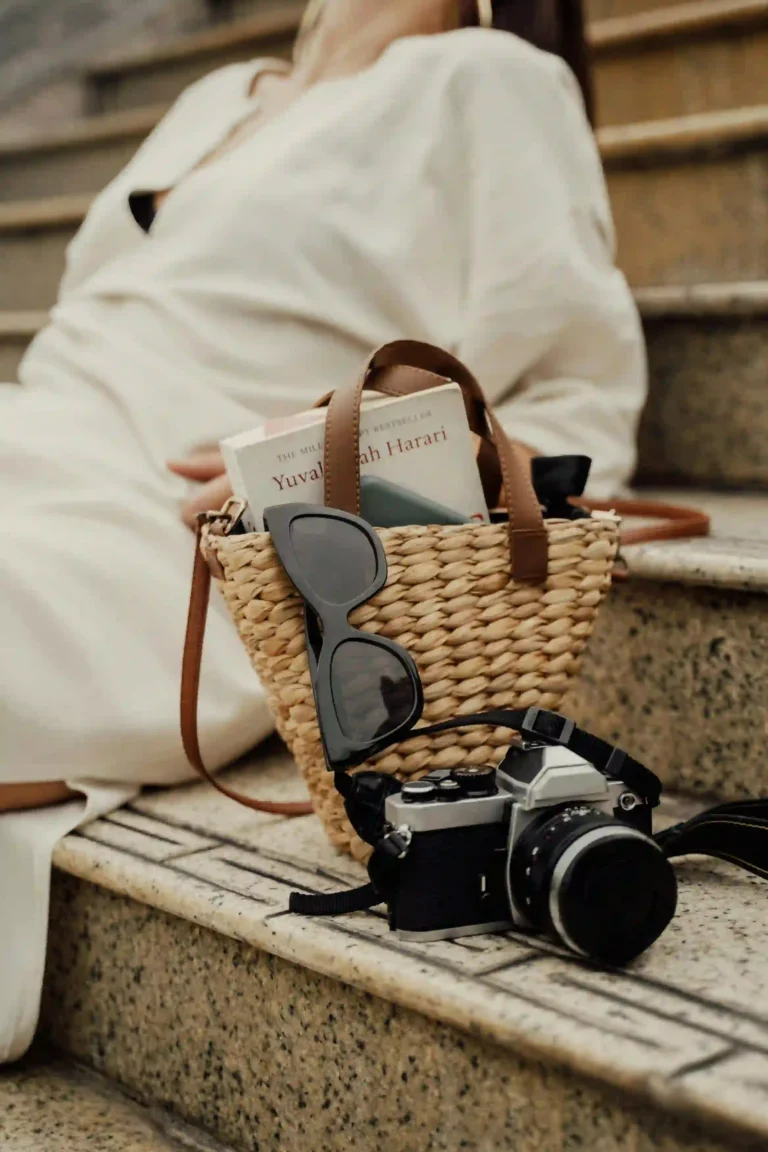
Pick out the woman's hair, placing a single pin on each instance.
(555, 26)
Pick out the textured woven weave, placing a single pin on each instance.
(479, 640)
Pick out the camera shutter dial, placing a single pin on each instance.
(418, 791)
(475, 781)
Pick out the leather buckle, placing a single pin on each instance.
(550, 727)
(219, 523)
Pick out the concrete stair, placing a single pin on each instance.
(682, 59)
(137, 79)
(676, 666)
(706, 420)
(48, 1104)
(176, 970)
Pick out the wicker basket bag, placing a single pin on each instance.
(494, 615)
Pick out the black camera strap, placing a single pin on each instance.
(736, 832)
(554, 729)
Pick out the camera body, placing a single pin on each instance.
(545, 842)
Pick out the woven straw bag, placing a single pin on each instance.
(494, 615)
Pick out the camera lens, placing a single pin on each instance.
(602, 887)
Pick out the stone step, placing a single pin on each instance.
(690, 197)
(675, 670)
(668, 61)
(157, 75)
(706, 421)
(16, 331)
(34, 235)
(701, 182)
(607, 9)
(79, 158)
(176, 969)
(675, 61)
(48, 1104)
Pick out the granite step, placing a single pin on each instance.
(706, 420)
(176, 969)
(690, 195)
(74, 159)
(668, 61)
(675, 669)
(678, 60)
(48, 1104)
(34, 235)
(133, 79)
(607, 9)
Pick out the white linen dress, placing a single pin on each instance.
(450, 193)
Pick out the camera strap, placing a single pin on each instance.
(736, 832)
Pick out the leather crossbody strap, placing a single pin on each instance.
(673, 521)
(190, 689)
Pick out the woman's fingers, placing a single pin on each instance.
(200, 466)
(209, 497)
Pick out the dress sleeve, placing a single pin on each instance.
(551, 328)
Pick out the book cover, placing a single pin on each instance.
(421, 442)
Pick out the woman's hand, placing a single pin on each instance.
(206, 467)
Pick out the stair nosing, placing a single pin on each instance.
(696, 18)
(28, 323)
(109, 127)
(739, 298)
(210, 41)
(47, 213)
(698, 134)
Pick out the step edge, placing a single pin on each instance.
(467, 1011)
(683, 137)
(48, 212)
(21, 325)
(210, 41)
(107, 128)
(668, 24)
(739, 298)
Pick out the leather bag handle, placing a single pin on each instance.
(403, 368)
(190, 687)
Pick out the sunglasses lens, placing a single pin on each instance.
(337, 559)
(372, 690)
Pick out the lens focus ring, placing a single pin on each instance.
(600, 886)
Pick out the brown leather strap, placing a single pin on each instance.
(675, 521)
(405, 367)
(190, 687)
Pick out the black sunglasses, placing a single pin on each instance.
(367, 689)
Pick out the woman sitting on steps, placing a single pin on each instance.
(412, 175)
